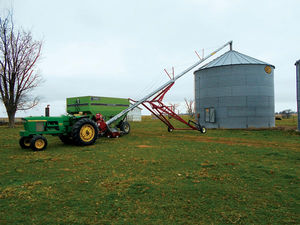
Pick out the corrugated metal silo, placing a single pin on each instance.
(297, 64)
(235, 91)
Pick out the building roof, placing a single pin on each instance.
(233, 58)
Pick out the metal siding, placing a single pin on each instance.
(233, 122)
(258, 122)
(298, 90)
(243, 96)
(230, 80)
(209, 102)
(252, 101)
(233, 101)
(216, 92)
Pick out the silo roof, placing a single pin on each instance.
(233, 58)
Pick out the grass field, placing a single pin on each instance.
(154, 177)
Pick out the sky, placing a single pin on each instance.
(120, 48)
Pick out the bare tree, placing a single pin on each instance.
(286, 114)
(19, 54)
(175, 107)
(190, 107)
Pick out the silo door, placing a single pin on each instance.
(212, 115)
(207, 115)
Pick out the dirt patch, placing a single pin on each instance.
(144, 146)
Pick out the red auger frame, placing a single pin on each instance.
(160, 110)
(163, 112)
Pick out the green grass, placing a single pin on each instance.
(288, 123)
(154, 177)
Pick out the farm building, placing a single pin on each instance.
(135, 114)
(297, 64)
(235, 91)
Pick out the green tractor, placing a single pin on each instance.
(82, 126)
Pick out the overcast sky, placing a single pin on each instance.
(120, 48)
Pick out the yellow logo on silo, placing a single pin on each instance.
(268, 69)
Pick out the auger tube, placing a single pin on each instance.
(136, 104)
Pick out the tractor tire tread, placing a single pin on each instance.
(23, 140)
(66, 139)
(76, 132)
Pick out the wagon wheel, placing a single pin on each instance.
(85, 132)
(170, 129)
(38, 143)
(125, 127)
(25, 142)
(203, 129)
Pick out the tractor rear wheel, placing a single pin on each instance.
(66, 139)
(84, 132)
(25, 142)
(38, 143)
(125, 127)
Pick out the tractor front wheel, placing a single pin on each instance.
(25, 142)
(84, 132)
(38, 143)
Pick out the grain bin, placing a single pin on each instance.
(235, 91)
(297, 64)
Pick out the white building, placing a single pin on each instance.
(135, 115)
